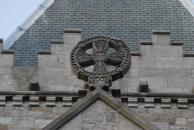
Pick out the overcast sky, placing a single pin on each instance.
(14, 12)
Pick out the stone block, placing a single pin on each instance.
(143, 62)
(132, 73)
(71, 38)
(166, 103)
(17, 100)
(50, 101)
(133, 102)
(188, 62)
(51, 61)
(7, 83)
(58, 49)
(42, 109)
(34, 101)
(169, 62)
(182, 103)
(2, 100)
(150, 72)
(162, 51)
(67, 101)
(143, 86)
(5, 70)
(23, 122)
(6, 120)
(41, 123)
(149, 102)
(180, 120)
(6, 60)
(23, 76)
(161, 39)
(175, 82)
(177, 72)
(162, 125)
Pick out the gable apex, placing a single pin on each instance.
(110, 101)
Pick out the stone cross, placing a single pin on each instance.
(106, 53)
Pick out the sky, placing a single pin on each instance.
(14, 12)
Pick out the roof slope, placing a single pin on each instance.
(128, 20)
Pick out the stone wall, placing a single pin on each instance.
(162, 64)
(100, 116)
(28, 118)
(169, 119)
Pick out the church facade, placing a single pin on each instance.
(100, 65)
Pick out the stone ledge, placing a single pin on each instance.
(72, 30)
(7, 52)
(188, 54)
(176, 43)
(57, 41)
(146, 42)
(161, 31)
(39, 93)
(44, 52)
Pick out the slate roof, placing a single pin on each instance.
(128, 20)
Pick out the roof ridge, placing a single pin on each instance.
(189, 5)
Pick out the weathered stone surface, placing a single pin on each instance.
(99, 116)
(6, 120)
(162, 51)
(3, 127)
(23, 76)
(41, 123)
(161, 39)
(169, 119)
(23, 122)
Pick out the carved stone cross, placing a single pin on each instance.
(106, 53)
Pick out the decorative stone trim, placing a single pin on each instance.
(37, 100)
(149, 103)
(2, 100)
(182, 103)
(17, 100)
(133, 102)
(166, 103)
(67, 101)
(50, 101)
(34, 101)
(163, 102)
(39, 93)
